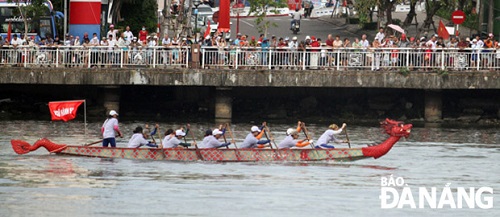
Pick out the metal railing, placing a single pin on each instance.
(254, 58)
(90, 57)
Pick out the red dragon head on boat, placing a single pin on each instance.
(396, 128)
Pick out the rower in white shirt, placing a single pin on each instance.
(329, 136)
(138, 139)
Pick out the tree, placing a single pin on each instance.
(432, 7)
(139, 13)
(365, 10)
(30, 10)
(259, 9)
(411, 14)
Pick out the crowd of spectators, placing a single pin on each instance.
(381, 52)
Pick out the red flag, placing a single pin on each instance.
(64, 110)
(224, 16)
(442, 31)
(207, 31)
(9, 31)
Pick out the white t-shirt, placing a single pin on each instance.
(109, 128)
(94, 41)
(329, 136)
(172, 143)
(165, 41)
(380, 36)
(16, 42)
(137, 140)
(165, 140)
(128, 36)
(113, 32)
(249, 142)
(288, 142)
(210, 142)
(111, 44)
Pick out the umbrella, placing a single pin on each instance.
(396, 28)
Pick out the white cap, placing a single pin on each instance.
(216, 132)
(291, 131)
(255, 129)
(308, 37)
(474, 40)
(180, 133)
(294, 38)
(113, 112)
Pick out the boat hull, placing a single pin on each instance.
(395, 129)
(218, 155)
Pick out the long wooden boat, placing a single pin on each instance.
(395, 129)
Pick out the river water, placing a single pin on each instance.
(40, 184)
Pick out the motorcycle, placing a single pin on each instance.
(296, 26)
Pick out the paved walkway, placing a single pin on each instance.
(345, 30)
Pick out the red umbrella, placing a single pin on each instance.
(9, 31)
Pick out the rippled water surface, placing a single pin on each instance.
(40, 184)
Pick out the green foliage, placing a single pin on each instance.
(139, 14)
(363, 8)
(32, 9)
(471, 19)
(442, 72)
(259, 8)
(405, 71)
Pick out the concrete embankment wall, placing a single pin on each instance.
(250, 78)
(255, 95)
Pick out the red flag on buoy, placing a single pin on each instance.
(64, 110)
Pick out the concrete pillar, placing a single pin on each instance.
(111, 97)
(223, 104)
(433, 106)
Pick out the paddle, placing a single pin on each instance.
(231, 135)
(266, 130)
(153, 133)
(157, 129)
(159, 135)
(238, 156)
(224, 135)
(311, 144)
(305, 134)
(185, 140)
(347, 137)
(96, 142)
(194, 142)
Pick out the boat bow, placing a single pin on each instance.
(23, 147)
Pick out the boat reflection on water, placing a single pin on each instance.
(53, 172)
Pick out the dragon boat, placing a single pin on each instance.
(394, 129)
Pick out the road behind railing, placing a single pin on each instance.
(322, 58)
